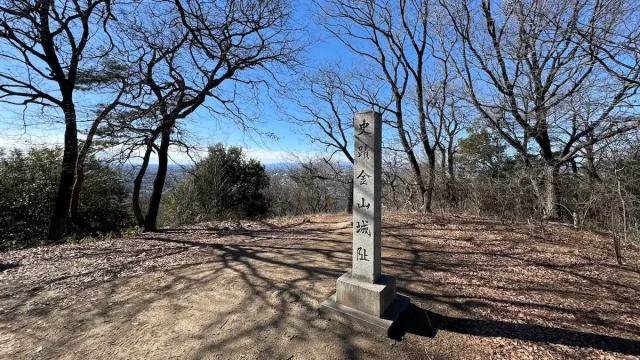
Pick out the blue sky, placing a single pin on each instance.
(288, 138)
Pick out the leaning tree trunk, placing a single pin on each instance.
(150, 220)
(551, 173)
(137, 184)
(82, 157)
(77, 187)
(58, 220)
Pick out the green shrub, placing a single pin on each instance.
(28, 187)
(28, 192)
(224, 185)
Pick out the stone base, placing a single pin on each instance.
(380, 325)
(375, 306)
(372, 299)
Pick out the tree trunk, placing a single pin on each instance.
(451, 180)
(58, 220)
(137, 184)
(430, 183)
(408, 149)
(75, 197)
(393, 195)
(426, 192)
(590, 157)
(350, 200)
(77, 187)
(624, 222)
(550, 191)
(443, 161)
(150, 220)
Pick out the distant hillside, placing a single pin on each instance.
(278, 166)
(175, 172)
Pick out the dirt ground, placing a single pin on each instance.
(251, 290)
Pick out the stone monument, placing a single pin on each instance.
(364, 294)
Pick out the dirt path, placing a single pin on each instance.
(481, 290)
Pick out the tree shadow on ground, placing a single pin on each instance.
(427, 323)
(7, 266)
(253, 286)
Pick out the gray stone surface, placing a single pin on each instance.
(381, 325)
(372, 299)
(367, 186)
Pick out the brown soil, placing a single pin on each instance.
(251, 290)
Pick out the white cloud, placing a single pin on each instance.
(267, 156)
(25, 142)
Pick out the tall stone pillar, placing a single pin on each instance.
(364, 294)
(367, 187)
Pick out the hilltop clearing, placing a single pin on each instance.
(480, 290)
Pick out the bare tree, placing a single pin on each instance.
(447, 115)
(521, 61)
(45, 43)
(130, 135)
(327, 115)
(191, 52)
(370, 29)
(412, 45)
(133, 134)
(616, 45)
(395, 191)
